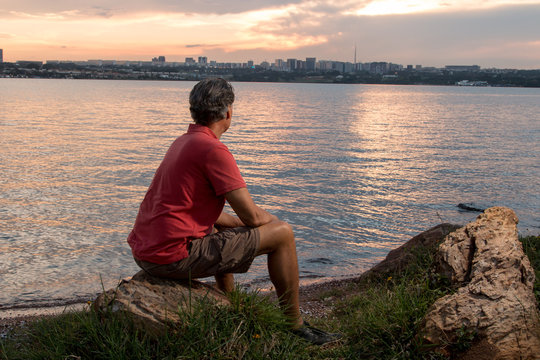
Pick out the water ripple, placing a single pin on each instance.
(356, 170)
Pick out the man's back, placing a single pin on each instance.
(185, 197)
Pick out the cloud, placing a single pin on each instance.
(437, 33)
(109, 8)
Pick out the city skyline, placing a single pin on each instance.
(276, 64)
(498, 33)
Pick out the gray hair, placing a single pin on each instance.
(209, 100)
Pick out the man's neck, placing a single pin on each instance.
(217, 130)
(219, 127)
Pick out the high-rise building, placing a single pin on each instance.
(160, 60)
(291, 64)
(1, 56)
(310, 64)
(279, 64)
(203, 60)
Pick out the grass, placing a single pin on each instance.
(250, 328)
(379, 318)
(531, 246)
(382, 319)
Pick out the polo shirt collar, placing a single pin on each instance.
(193, 128)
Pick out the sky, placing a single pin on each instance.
(489, 33)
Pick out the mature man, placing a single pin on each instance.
(174, 234)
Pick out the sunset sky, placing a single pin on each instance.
(489, 33)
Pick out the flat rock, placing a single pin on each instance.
(154, 302)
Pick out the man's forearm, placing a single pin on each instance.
(265, 217)
(249, 213)
(227, 220)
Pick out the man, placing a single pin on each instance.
(174, 236)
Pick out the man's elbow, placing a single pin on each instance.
(252, 221)
(257, 218)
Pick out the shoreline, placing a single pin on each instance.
(310, 303)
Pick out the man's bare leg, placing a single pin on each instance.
(277, 240)
(225, 282)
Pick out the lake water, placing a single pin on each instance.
(356, 169)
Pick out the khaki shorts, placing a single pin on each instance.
(228, 251)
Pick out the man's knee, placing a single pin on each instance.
(275, 235)
(286, 229)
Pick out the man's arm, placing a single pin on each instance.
(228, 221)
(249, 213)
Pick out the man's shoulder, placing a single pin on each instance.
(197, 145)
(198, 138)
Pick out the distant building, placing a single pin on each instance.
(291, 64)
(310, 64)
(324, 65)
(380, 67)
(349, 67)
(160, 60)
(29, 63)
(265, 65)
(203, 60)
(1, 56)
(389, 77)
(279, 65)
(395, 67)
(338, 66)
(462, 67)
(190, 61)
(250, 64)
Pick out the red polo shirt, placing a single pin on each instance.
(185, 197)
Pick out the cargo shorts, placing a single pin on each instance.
(229, 251)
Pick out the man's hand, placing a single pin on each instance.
(249, 213)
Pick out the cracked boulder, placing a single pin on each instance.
(494, 302)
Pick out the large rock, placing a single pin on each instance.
(399, 258)
(494, 298)
(153, 302)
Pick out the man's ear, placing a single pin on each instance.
(229, 112)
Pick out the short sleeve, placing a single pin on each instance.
(222, 170)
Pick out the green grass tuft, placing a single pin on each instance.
(531, 247)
